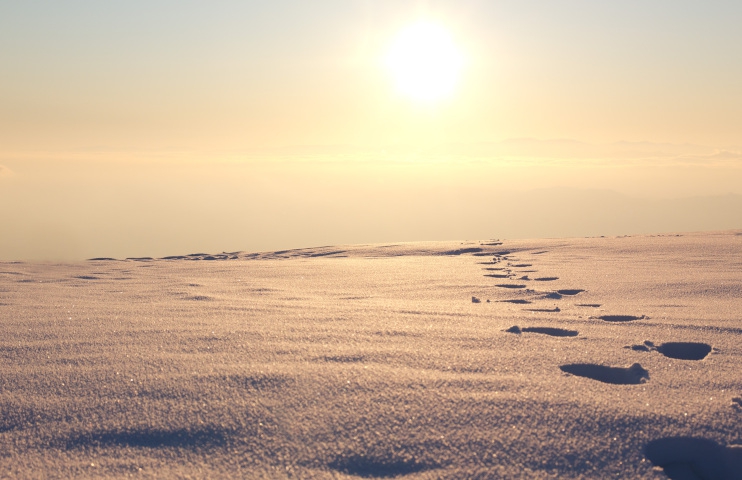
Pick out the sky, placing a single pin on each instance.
(154, 128)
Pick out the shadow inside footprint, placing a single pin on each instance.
(687, 458)
(546, 279)
(554, 332)
(621, 318)
(638, 348)
(153, 438)
(632, 375)
(344, 358)
(365, 467)
(570, 291)
(510, 285)
(685, 350)
(517, 301)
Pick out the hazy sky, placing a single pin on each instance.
(288, 103)
(242, 74)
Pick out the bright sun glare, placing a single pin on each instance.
(424, 62)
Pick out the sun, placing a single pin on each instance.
(424, 62)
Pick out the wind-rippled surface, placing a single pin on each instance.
(371, 361)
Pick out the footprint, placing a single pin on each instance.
(646, 347)
(553, 296)
(385, 466)
(344, 358)
(685, 350)
(475, 300)
(554, 332)
(632, 375)
(463, 251)
(546, 279)
(185, 438)
(497, 275)
(518, 301)
(510, 285)
(546, 310)
(591, 305)
(688, 458)
(638, 348)
(677, 350)
(570, 291)
(737, 403)
(199, 298)
(621, 318)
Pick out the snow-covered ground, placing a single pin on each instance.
(550, 358)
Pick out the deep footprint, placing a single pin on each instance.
(632, 375)
(546, 279)
(591, 305)
(554, 332)
(685, 350)
(517, 301)
(687, 458)
(510, 285)
(621, 318)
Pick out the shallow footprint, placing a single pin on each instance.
(369, 467)
(632, 375)
(545, 310)
(517, 300)
(510, 285)
(546, 279)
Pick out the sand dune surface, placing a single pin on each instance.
(601, 357)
